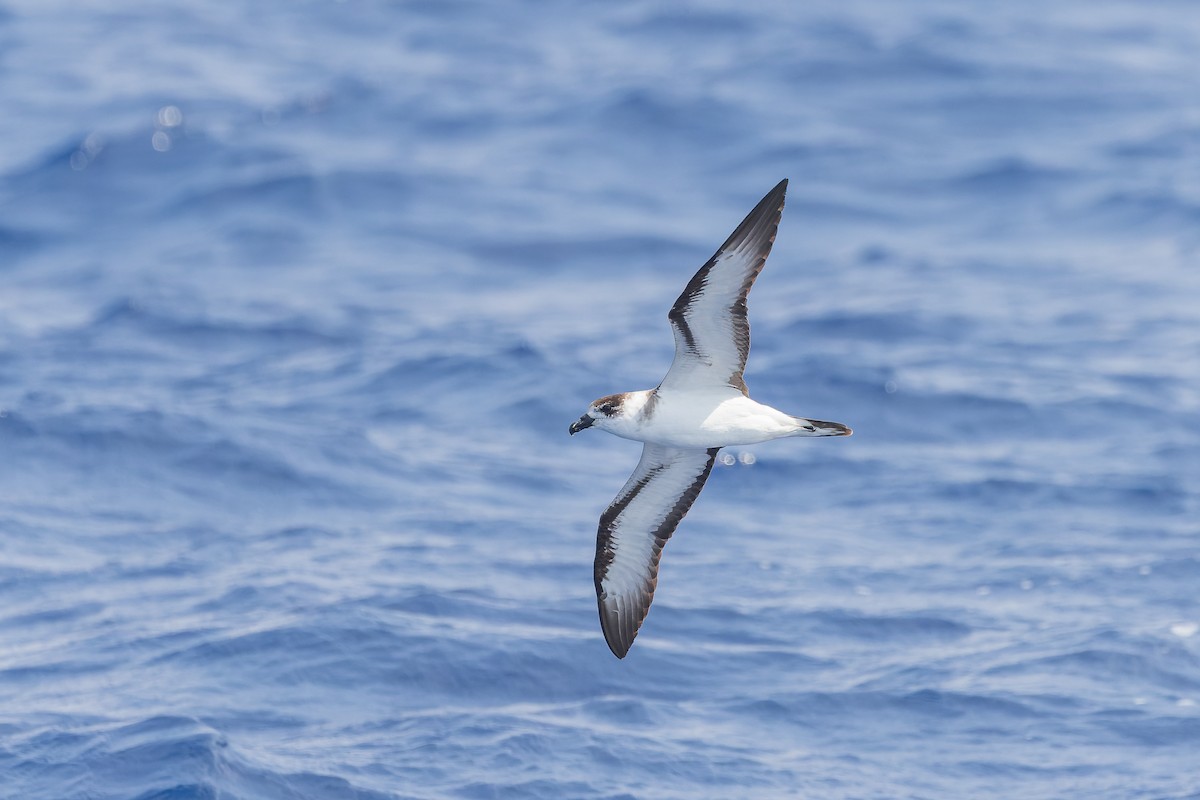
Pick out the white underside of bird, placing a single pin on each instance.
(706, 417)
(701, 405)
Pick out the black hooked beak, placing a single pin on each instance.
(585, 421)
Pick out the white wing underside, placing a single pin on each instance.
(633, 531)
(712, 334)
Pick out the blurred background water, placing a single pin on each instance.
(297, 300)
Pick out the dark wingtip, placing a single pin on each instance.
(617, 649)
(779, 191)
(619, 641)
(760, 223)
(772, 201)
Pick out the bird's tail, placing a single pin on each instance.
(817, 427)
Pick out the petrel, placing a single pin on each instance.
(701, 406)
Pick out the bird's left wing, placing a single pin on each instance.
(712, 334)
(633, 531)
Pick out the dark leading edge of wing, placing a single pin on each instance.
(632, 533)
(712, 334)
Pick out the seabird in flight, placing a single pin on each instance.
(701, 406)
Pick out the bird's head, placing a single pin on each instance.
(599, 413)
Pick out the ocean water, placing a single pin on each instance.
(297, 300)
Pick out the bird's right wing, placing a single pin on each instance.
(633, 531)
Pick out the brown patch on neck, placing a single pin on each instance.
(651, 401)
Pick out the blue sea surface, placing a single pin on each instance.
(298, 298)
